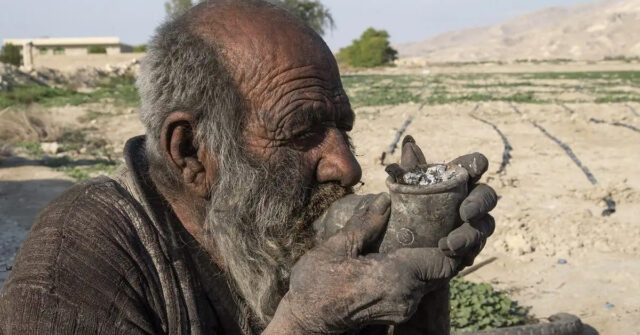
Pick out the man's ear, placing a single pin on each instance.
(192, 162)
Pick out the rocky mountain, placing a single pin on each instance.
(589, 31)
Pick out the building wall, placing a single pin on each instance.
(74, 50)
(72, 62)
(113, 50)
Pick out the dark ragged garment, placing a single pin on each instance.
(109, 257)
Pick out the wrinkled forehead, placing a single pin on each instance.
(258, 42)
(282, 68)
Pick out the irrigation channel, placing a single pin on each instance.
(617, 124)
(611, 205)
(506, 153)
(403, 128)
(633, 110)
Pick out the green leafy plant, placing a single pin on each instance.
(34, 149)
(376, 90)
(479, 306)
(10, 54)
(80, 173)
(27, 94)
(118, 90)
(370, 50)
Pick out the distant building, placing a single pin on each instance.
(72, 46)
(67, 46)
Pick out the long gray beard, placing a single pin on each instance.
(260, 223)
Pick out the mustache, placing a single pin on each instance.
(318, 199)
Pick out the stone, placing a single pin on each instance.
(50, 147)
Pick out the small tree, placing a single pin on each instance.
(178, 7)
(312, 12)
(10, 54)
(370, 50)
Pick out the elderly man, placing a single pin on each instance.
(246, 145)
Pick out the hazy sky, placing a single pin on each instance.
(135, 20)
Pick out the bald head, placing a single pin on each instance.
(258, 42)
(246, 27)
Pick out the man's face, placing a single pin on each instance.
(292, 86)
(297, 158)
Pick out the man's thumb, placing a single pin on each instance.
(365, 226)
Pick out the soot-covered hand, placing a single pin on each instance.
(474, 211)
(338, 286)
(344, 284)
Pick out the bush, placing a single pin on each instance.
(96, 49)
(479, 306)
(10, 54)
(372, 49)
(27, 94)
(312, 12)
(140, 48)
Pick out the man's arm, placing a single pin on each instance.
(76, 273)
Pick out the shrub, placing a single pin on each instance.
(32, 148)
(370, 50)
(10, 54)
(140, 48)
(80, 173)
(96, 49)
(28, 94)
(312, 12)
(479, 306)
(118, 90)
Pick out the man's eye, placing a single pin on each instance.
(309, 138)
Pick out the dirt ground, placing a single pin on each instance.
(548, 213)
(554, 250)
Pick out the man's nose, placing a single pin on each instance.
(337, 162)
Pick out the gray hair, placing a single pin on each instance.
(182, 72)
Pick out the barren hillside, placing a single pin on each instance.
(587, 32)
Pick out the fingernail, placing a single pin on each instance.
(408, 139)
(469, 210)
(380, 204)
(456, 243)
(444, 247)
(395, 171)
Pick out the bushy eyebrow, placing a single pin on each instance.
(306, 117)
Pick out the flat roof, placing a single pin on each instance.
(53, 41)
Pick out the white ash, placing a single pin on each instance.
(433, 175)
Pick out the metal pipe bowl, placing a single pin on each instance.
(422, 215)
